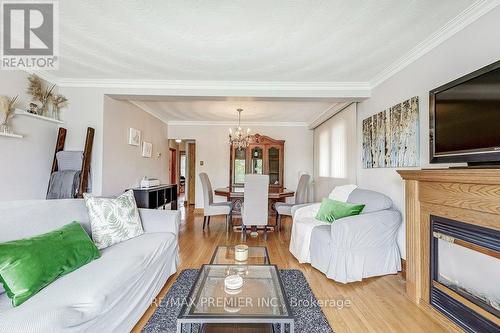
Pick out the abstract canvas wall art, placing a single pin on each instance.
(391, 137)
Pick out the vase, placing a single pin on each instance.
(4, 122)
(4, 128)
(56, 112)
(44, 109)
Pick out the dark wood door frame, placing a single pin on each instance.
(191, 172)
(173, 166)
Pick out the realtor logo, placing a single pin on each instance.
(30, 35)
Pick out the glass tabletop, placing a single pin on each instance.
(225, 255)
(261, 296)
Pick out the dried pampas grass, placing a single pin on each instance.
(36, 89)
(7, 108)
(59, 101)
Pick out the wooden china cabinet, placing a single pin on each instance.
(264, 155)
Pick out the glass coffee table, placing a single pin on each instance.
(225, 255)
(261, 300)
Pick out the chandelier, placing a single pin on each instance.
(239, 139)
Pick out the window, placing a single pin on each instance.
(239, 166)
(335, 147)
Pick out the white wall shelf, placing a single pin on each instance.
(11, 135)
(24, 113)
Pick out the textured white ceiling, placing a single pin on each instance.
(246, 40)
(213, 109)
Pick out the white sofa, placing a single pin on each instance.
(109, 294)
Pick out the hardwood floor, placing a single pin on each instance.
(373, 305)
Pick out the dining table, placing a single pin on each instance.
(236, 196)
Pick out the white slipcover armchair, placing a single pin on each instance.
(354, 247)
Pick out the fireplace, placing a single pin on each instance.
(465, 273)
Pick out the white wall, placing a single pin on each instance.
(25, 163)
(213, 149)
(123, 164)
(335, 159)
(472, 48)
(85, 110)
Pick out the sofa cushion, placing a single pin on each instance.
(113, 220)
(75, 300)
(326, 211)
(373, 201)
(30, 264)
(18, 217)
(331, 210)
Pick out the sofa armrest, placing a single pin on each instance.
(155, 220)
(377, 229)
(305, 210)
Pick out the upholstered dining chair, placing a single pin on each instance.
(209, 207)
(283, 208)
(254, 211)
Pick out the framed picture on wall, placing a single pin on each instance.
(147, 149)
(391, 137)
(134, 137)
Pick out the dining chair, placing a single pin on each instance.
(210, 208)
(283, 208)
(254, 211)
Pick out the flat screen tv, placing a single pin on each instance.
(465, 119)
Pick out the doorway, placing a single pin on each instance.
(182, 172)
(191, 172)
(182, 169)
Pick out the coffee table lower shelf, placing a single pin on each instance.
(207, 322)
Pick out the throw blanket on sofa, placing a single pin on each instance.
(342, 193)
(304, 223)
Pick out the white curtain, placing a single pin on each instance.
(335, 152)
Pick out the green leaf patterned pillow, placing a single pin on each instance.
(113, 220)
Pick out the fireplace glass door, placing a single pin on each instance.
(470, 273)
(465, 272)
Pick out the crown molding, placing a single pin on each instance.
(232, 123)
(154, 113)
(459, 22)
(328, 113)
(124, 83)
(355, 90)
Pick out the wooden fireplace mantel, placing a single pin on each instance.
(468, 195)
(465, 176)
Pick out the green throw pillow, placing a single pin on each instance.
(28, 265)
(331, 210)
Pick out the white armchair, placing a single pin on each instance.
(354, 247)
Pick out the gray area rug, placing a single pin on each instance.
(308, 319)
